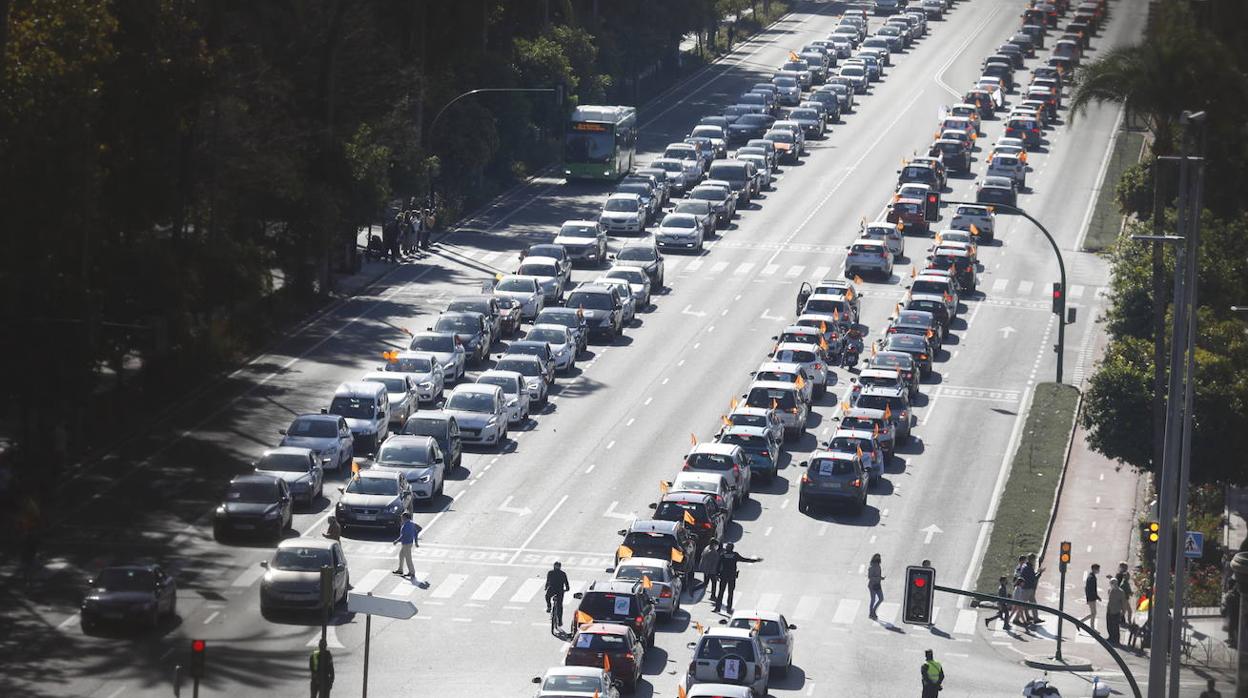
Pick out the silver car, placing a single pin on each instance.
(679, 231)
(402, 391)
(424, 370)
(787, 401)
(533, 371)
(546, 271)
(638, 283)
(775, 632)
(301, 468)
(720, 654)
(481, 411)
(445, 348)
(665, 585)
(869, 256)
(514, 391)
(562, 341)
(525, 290)
(586, 241)
(418, 459)
(292, 579)
(629, 301)
(326, 435)
(625, 213)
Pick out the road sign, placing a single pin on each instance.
(1194, 544)
(379, 606)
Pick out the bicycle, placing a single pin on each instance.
(556, 616)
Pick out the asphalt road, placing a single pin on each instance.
(622, 422)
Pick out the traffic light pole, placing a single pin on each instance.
(1061, 268)
(1061, 607)
(1113, 652)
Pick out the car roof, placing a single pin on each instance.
(686, 496)
(721, 631)
(863, 413)
(369, 473)
(770, 385)
(615, 586)
(653, 526)
(307, 542)
(287, 451)
(574, 671)
(476, 388)
(322, 417)
(646, 561)
(726, 449)
(748, 431)
(410, 438)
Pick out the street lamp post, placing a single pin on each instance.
(1061, 268)
(1239, 565)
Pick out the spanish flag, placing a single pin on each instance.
(624, 552)
(583, 618)
(677, 556)
(355, 467)
(857, 279)
(793, 56)
(800, 383)
(689, 518)
(732, 404)
(680, 691)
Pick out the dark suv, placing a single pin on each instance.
(621, 602)
(706, 519)
(604, 312)
(664, 540)
(444, 429)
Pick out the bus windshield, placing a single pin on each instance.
(589, 142)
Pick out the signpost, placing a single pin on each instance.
(1194, 545)
(371, 606)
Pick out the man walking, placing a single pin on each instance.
(408, 538)
(1091, 595)
(875, 585)
(728, 561)
(1115, 612)
(556, 585)
(321, 664)
(426, 228)
(933, 676)
(709, 567)
(1031, 580)
(1003, 608)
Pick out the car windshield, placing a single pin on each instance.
(524, 368)
(771, 397)
(709, 461)
(354, 407)
(784, 81)
(807, 114)
(748, 420)
(589, 301)
(404, 454)
(675, 511)
(637, 188)
(301, 559)
(507, 384)
(680, 154)
(633, 276)
(783, 376)
(126, 580)
(457, 323)
(397, 384)
(646, 544)
(636, 572)
(517, 285)
(799, 338)
(925, 286)
(781, 136)
(830, 467)
(715, 648)
(559, 316)
(867, 249)
(471, 402)
(825, 306)
(444, 344)
(315, 428)
(425, 427)
(538, 269)
(697, 208)
(637, 254)
(373, 486)
(572, 683)
(620, 206)
(849, 444)
(858, 424)
(669, 166)
(546, 334)
(579, 231)
(284, 462)
(754, 441)
(907, 342)
(252, 492)
(765, 627)
(411, 365)
(933, 307)
(679, 221)
(706, 195)
(601, 605)
(893, 360)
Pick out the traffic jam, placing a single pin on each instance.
(401, 429)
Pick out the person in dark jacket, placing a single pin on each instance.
(728, 561)
(1090, 594)
(390, 238)
(709, 567)
(321, 664)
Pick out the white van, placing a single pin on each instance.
(366, 407)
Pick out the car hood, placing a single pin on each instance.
(519, 296)
(118, 598)
(474, 420)
(353, 499)
(639, 264)
(312, 443)
(442, 357)
(355, 424)
(575, 242)
(593, 316)
(289, 477)
(292, 577)
(248, 508)
(620, 214)
(664, 230)
(411, 472)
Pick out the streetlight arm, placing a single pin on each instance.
(442, 111)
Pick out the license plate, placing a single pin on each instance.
(115, 615)
(244, 527)
(833, 485)
(366, 517)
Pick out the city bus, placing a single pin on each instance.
(601, 143)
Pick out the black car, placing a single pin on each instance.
(473, 330)
(919, 174)
(254, 504)
(645, 257)
(129, 595)
(663, 540)
(708, 519)
(604, 313)
(621, 602)
(539, 349)
(955, 154)
(749, 126)
(443, 428)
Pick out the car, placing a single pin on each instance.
(761, 450)
(678, 179)
(659, 176)
(703, 209)
(424, 371)
(817, 62)
(292, 577)
(959, 239)
(829, 105)
(956, 156)
(1010, 166)
(774, 632)
(637, 280)
(889, 37)
(970, 112)
(725, 459)
(1028, 129)
(126, 595)
(740, 176)
(960, 263)
(862, 444)
(811, 359)
(919, 173)
(889, 234)
(571, 318)
(709, 483)
(612, 645)
(718, 136)
(807, 336)
(867, 256)
(764, 102)
(730, 656)
(644, 256)
(680, 231)
(762, 170)
(301, 468)
(624, 213)
(534, 370)
(550, 250)
(790, 373)
(254, 504)
(996, 190)
(719, 199)
(444, 429)
(749, 126)
(937, 283)
(767, 417)
(812, 122)
(833, 478)
(446, 349)
(625, 294)
(548, 273)
(604, 311)
(480, 411)
(785, 143)
(935, 9)
(769, 149)
(920, 349)
(785, 399)
(665, 540)
(577, 682)
(698, 511)
(706, 149)
(472, 330)
(418, 459)
(877, 375)
(1011, 146)
(534, 347)
(847, 32)
(874, 421)
(979, 220)
(525, 291)
(689, 158)
(515, 391)
(857, 74)
(401, 392)
(374, 498)
(657, 577)
(366, 408)
(788, 88)
(646, 191)
(562, 343)
(805, 76)
(326, 435)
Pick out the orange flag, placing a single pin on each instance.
(914, 270)
(774, 405)
(724, 418)
(732, 405)
(664, 485)
(689, 520)
(606, 663)
(888, 412)
(680, 691)
(646, 583)
(624, 552)
(583, 618)
(693, 439)
(355, 467)
(677, 556)
(800, 383)
(698, 627)
(844, 406)
(836, 316)
(857, 279)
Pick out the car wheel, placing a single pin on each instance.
(802, 505)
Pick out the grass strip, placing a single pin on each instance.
(1027, 500)
(1106, 221)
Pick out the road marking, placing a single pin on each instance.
(68, 622)
(939, 77)
(488, 588)
(449, 586)
(999, 285)
(688, 311)
(528, 589)
(648, 401)
(693, 265)
(611, 513)
(248, 576)
(404, 589)
(845, 611)
(887, 612)
(537, 530)
(769, 270)
(821, 272)
(630, 421)
(718, 267)
(795, 271)
(965, 624)
(1024, 287)
(211, 617)
(765, 316)
(768, 531)
(610, 445)
(1075, 291)
(769, 601)
(743, 268)
(807, 606)
(370, 581)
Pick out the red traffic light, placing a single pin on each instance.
(920, 582)
(198, 645)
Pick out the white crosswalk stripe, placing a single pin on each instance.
(406, 588)
(1075, 291)
(693, 265)
(965, 625)
(769, 601)
(369, 581)
(821, 272)
(1024, 287)
(999, 285)
(718, 267)
(489, 257)
(845, 611)
(887, 612)
(743, 268)
(449, 586)
(770, 269)
(795, 271)
(528, 589)
(807, 607)
(488, 588)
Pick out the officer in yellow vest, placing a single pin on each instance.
(933, 676)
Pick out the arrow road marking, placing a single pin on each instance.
(611, 513)
(1006, 331)
(522, 511)
(687, 311)
(765, 316)
(931, 530)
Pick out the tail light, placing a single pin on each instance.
(793, 410)
(706, 525)
(665, 594)
(805, 479)
(736, 469)
(818, 366)
(923, 357)
(931, 198)
(856, 483)
(639, 621)
(628, 656)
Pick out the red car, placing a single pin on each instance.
(613, 647)
(912, 213)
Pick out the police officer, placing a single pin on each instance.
(321, 664)
(933, 676)
(728, 560)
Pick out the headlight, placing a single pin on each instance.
(493, 422)
(394, 508)
(332, 448)
(423, 478)
(425, 385)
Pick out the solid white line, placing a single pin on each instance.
(68, 622)
(939, 77)
(537, 530)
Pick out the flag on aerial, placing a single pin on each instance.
(888, 412)
(677, 556)
(844, 406)
(583, 618)
(800, 382)
(623, 552)
(689, 519)
(355, 467)
(732, 404)
(646, 583)
(606, 663)
(724, 418)
(664, 486)
(857, 279)
(680, 689)
(693, 439)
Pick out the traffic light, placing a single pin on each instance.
(199, 650)
(1063, 557)
(920, 595)
(1059, 298)
(1153, 532)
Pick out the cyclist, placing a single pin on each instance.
(556, 585)
(853, 347)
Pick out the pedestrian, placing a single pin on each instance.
(409, 537)
(1211, 691)
(1124, 579)
(321, 664)
(333, 530)
(390, 239)
(427, 221)
(1090, 594)
(933, 676)
(728, 561)
(1031, 580)
(1003, 608)
(709, 567)
(409, 232)
(556, 585)
(1230, 610)
(1020, 613)
(1115, 612)
(875, 585)
(732, 34)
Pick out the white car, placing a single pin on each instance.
(480, 411)
(981, 218)
(1004, 165)
(889, 233)
(637, 280)
(562, 343)
(719, 139)
(856, 74)
(679, 231)
(515, 392)
(546, 271)
(423, 368)
(624, 213)
(760, 163)
(867, 256)
(732, 656)
(525, 290)
(402, 393)
(585, 241)
(709, 483)
(774, 631)
(576, 681)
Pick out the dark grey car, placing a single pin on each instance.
(254, 504)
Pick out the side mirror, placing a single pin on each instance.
(803, 464)
(578, 595)
(691, 645)
(342, 490)
(264, 564)
(537, 679)
(653, 505)
(610, 570)
(768, 650)
(792, 626)
(623, 532)
(282, 432)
